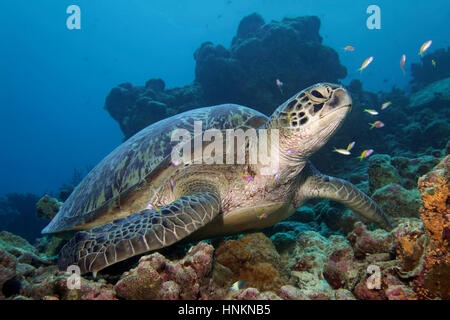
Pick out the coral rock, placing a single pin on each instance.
(370, 242)
(253, 258)
(434, 280)
(381, 172)
(396, 201)
(47, 207)
(159, 278)
(343, 294)
(400, 292)
(8, 264)
(289, 292)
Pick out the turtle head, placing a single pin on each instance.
(308, 119)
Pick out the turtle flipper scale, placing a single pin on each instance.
(138, 233)
(318, 185)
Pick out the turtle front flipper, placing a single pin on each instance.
(138, 233)
(317, 185)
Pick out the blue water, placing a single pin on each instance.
(54, 81)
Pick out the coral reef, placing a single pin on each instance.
(47, 207)
(396, 201)
(245, 73)
(157, 278)
(18, 258)
(135, 107)
(434, 279)
(254, 259)
(410, 262)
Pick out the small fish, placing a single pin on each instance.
(346, 152)
(238, 285)
(365, 154)
(371, 111)
(263, 216)
(376, 124)
(366, 63)
(153, 206)
(425, 47)
(274, 178)
(349, 48)
(279, 85)
(247, 177)
(402, 63)
(385, 105)
(291, 150)
(172, 184)
(351, 145)
(433, 63)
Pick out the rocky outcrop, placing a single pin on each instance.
(425, 72)
(290, 50)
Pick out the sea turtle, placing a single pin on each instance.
(139, 199)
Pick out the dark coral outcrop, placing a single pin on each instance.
(425, 72)
(290, 50)
(135, 107)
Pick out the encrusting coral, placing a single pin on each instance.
(434, 280)
(412, 259)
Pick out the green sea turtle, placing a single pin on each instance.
(138, 199)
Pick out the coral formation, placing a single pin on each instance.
(434, 279)
(424, 73)
(157, 278)
(240, 74)
(396, 201)
(321, 252)
(135, 107)
(253, 258)
(47, 207)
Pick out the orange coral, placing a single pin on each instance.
(253, 258)
(434, 281)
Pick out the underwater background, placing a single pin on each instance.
(69, 97)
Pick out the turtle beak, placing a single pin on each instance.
(340, 99)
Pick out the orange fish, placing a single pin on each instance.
(402, 63)
(366, 64)
(425, 47)
(376, 124)
(349, 48)
(365, 154)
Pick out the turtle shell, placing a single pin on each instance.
(137, 159)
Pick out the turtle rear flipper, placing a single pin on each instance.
(138, 233)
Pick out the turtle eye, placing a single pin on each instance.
(317, 94)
